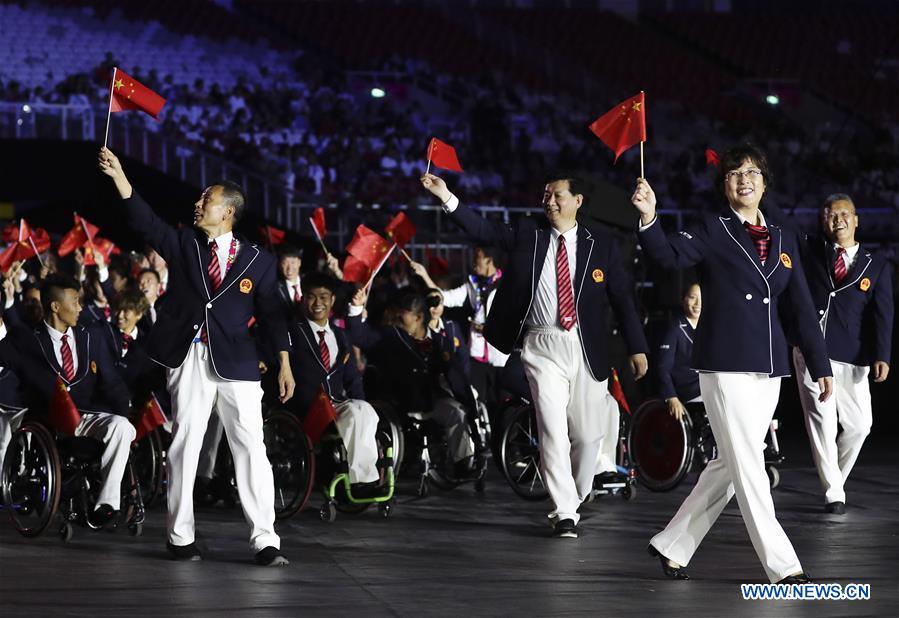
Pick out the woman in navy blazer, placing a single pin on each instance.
(753, 284)
(677, 383)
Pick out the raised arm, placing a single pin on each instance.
(680, 250)
(361, 333)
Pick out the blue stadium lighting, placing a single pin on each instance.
(772, 99)
(378, 93)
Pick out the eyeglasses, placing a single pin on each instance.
(738, 175)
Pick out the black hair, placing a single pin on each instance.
(576, 184)
(286, 251)
(733, 159)
(233, 196)
(151, 271)
(835, 197)
(414, 302)
(132, 299)
(318, 280)
(53, 287)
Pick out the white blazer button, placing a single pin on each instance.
(209, 305)
(749, 297)
(820, 311)
(832, 294)
(196, 326)
(766, 301)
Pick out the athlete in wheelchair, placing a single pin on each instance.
(424, 375)
(671, 436)
(62, 366)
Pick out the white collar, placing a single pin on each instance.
(223, 240)
(316, 328)
(56, 336)
(132, 334)
(440, 326)
(850, 251)
(570, 235)
(743, 219)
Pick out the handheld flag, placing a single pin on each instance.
(272, 235)
(126, 93)
(64, 416)
(712, 158)
(318, 223)
(81, 234)
(617, 392)
(321, 414)
(622, 126)
(23, 247)
(443, 155)
(355, 270)
(99, 245)
(149, 418)
(400, 229)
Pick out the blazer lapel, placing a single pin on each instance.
(584, 251)
(312, 341)
(46, 344)
(203, 252)
(741, 236)
(246, 255)
(862, 260)
(82, 341)
(774, 250)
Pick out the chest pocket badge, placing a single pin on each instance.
(246, 285)
(93, 366)
(785, 260)
(864, 285)
(599, 276)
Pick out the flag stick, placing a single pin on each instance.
(405, 255)
(109, 109)
(383, 260)
(320, 241)
(36, 252)
(428, 169)
(641, 160)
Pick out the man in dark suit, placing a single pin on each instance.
(552, 298)
(752, 284)
(150, 284)
(290, 289)
(853, 294)
(59, 348)
(217, 282)
(322, 357)
(12, 405)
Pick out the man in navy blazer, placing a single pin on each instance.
(852, 290)
(60, 348)
(752, 283)
(218, 281)
(322, 357)
(552, 301)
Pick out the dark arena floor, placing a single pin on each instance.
(460, 553)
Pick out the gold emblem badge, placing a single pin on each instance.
(599, 276)
(864, 284)
(456, 342)
(246, 285)
(785, 260)
(93, 366)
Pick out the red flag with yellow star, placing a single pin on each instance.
(400, 229)
(622, 126)
(128, 93)
(64, 416)
(369, 247)
(320, 415)
(149, 418)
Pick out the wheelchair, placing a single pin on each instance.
(148, 459)
(520, 457)
(665, 449)
(46, 478)
(298, 467)
(425, 448)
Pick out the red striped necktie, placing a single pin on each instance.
(126, 341)
(68, 362)
(297, 297)
(839, 266)
(567, 314)
(214, 270)
(323, 349)
(761, 238)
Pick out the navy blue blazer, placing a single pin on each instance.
(248, 290)
(857, 314)
(746, 304)
(96, 387)
(600, 278)
(673, 359)
(343, 381)
(411, 378)
(140, 374)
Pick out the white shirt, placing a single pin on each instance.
(133, 335)
(223, 247)
(3, 333)
(330, 339)
(849, 256)
(545, 308)
(291, 285)
(56, 339)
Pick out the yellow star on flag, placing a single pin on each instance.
(119, 84)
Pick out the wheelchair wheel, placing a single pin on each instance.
(293, 462)
(520, 455)
(390, 423)
(773, 476)
(149, 466)
(31, 479)
(661, 446)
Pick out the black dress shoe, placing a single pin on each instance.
(799, 578)
(672, 572)
(184, 552)
(101, 516)
(565, 529)
(271, 556)
(837, 508)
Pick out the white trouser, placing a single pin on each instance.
(210, 449)
(570, 428)
(357, 424)
(850, 405)
(450, 415)
(9, 422)
(740, 407)
(607, 458)
(116, 433)
(195, 389)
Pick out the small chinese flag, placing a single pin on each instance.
(355, 270)
(128, 94)
(443, 155)
(318, 223)
(617, 392)
(99, 245)
(622, 126)
(400, 229)
(64, 416)
(23, 247)
(712, 158)
(272, 235)
(320, 415)
(369, 247)
(82, 233)
(150, 417)
(437, 266)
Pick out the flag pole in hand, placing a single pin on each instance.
(642, 96)
(109, 109)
